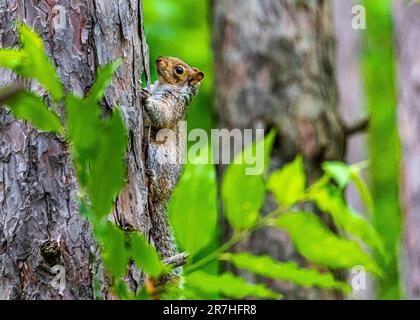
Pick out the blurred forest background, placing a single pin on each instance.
(334, 212)
(366, 75)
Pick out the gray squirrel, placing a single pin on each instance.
(166, 105)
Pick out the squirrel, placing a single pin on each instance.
(166, 105)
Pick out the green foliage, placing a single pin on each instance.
(363, 190)
(330, 199)
(343, 174)
(83, 125)
(226, 284)
(146, 256)
(384, 148)
(103, 188)
(31, 61)
(242, 204)
(288, 184)
(103, 79)
(320, 245)
(11, 58)
(195, 211)
(30, 107)
(114, 255)
(290, 271)
(339, 171)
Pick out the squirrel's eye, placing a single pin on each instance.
(179, 70)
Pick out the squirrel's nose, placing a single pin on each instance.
(159, 59)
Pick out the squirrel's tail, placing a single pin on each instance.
(161, 232)
(163, 238)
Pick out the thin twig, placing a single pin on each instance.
(9, 92)
(357, 127)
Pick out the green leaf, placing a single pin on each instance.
(145, 256)
(318, 244)
(114, 253)
(228, 285)
(122, 291)
(339, 171)
(243, 195)
(103, 78)
(28, 106)
(11, 58)
(288, 184)
(251, 156)
(243, 198)
(107, 175)
(37, 65)
(267, 267)
(83, 125)
(193, 207)
(330, 199)
(363, 190)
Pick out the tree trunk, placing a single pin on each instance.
(408, 29)
(275, 68)
(349, 79)
(40, 225)
(351, 99)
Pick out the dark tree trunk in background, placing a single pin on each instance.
(408, 28)
(38, 189)
(275, 68)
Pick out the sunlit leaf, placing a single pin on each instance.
(107, 176)
(193, 207)
(363, 190)
(243, 194)
(37, 65)
(339, 171)
(290, 271)
(28, 106)
(145, 256)
(103, 78)
(83, 126)
(288, 184)
(330, 199)
(11, 58)
(122, 290)
(318, 244)
(228, 285)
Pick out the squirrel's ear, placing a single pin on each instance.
(197, 77)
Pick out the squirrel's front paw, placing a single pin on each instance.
(144, 95)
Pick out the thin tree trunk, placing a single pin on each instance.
(408, 30)
(351, 99)
(349, 79)
(40, 225)
(275, 68)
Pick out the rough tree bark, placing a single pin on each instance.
(40, 225)
(275, 68)
(407, 31)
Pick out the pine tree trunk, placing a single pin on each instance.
(408, 29)
(275, 67)
(40, 225)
